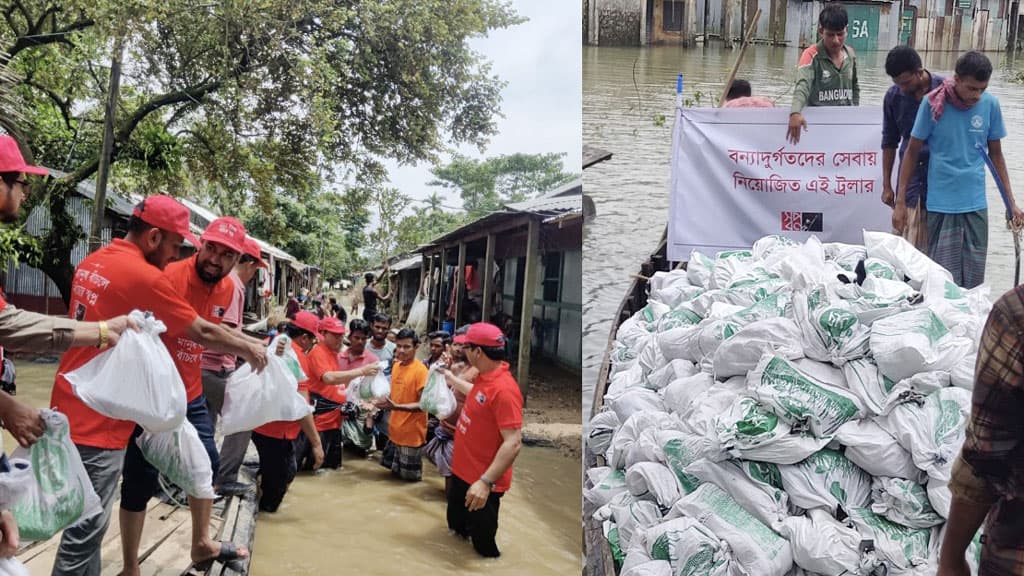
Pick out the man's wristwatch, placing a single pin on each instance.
(485, 480)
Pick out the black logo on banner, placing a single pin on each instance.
(802, 222)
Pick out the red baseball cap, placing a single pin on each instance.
(332, 325)
(460, 339)
(252, 248)
(486, 335)
(165, 213)
(227, 231)
(11, 159)
(307, 321)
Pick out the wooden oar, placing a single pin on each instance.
(1015, 228)
(739, 58)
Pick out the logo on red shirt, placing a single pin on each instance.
(219, 311)
(481, 397)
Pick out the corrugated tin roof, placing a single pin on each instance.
(407, 263)
(115, 201)
(554, 205)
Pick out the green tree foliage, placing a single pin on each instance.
(425, 224)
(486, 185)
(259, 105)
(389, 202)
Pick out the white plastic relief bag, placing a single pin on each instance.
(290, 357)
(748, 430)
(932, 431)
(905, 502)
(741, 353)
(689, 546)
(371, 387)
(823, 545)
(58, 492)
(756, 486)
(915, 341)
(180, 456)
(899, 546)
(756, 548)
(13, 567)
(437, 398)
(135, 380)
(876, 451)
(800, 399)
(827, 479)
(252, 399)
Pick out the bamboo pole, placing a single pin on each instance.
(743, 50)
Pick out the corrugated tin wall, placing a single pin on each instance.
(939, 25)
(22, 279)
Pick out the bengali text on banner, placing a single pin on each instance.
(735, 178)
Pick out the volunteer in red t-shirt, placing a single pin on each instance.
(488, 437)
(217, 370)
(275, 441)
(204, 283)
(25, 331)
(327, 391)
(122, 276)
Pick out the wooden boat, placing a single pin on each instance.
(167, 537)
(598, 554)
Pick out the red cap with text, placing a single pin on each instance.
(227, 231)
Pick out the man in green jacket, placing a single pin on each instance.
(827, 72)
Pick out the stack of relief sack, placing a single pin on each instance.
(789, 409)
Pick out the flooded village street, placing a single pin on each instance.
(361, 521)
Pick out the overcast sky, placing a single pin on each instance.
(541, 60)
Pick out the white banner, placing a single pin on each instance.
(735, 178)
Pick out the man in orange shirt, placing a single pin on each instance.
(408, 425)
(125, 275)
(275, 441)
(488, 438)
(203, 281)
(327, 391)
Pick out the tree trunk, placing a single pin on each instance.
(57, 244)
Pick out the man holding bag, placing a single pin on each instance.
(275, 441)
(326, 378)
(23, 331)
(488, 438)
(218, 367)
(128, 274)
(204, 283)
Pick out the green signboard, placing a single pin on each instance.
(964, 4)
(907, 26)
(862, 31)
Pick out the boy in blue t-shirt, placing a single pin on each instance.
(953, 119)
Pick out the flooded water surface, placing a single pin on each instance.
(628, 104)
(358, 520)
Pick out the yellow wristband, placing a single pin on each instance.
(104, 335)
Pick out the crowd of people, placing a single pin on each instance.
(200, 301)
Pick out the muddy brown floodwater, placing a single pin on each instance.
(358, 520)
